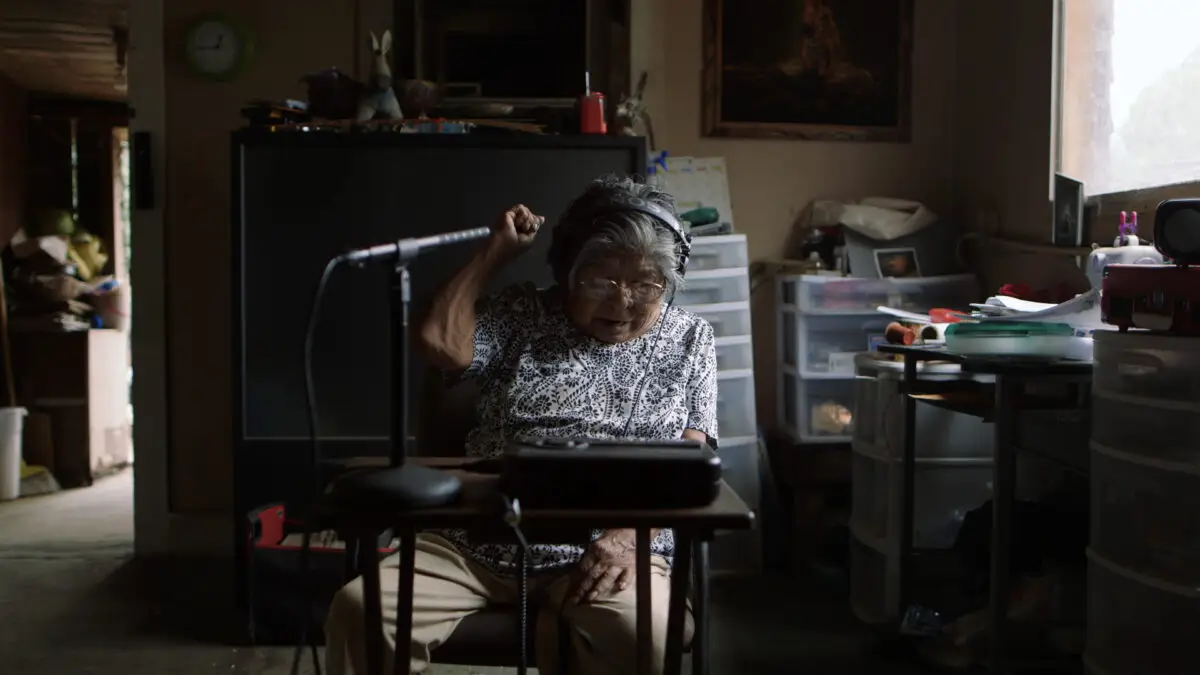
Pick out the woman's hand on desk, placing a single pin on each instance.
(608, 566)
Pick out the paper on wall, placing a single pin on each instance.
(698, 182)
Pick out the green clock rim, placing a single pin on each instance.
(245, 56)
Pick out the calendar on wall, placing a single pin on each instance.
(698, 182)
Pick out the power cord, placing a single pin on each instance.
(646, 375)
(310, 394)
(512, 518)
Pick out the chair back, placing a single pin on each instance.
(446, 414)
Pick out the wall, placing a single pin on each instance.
(13, 130)
(1004, 126)
(772, 180)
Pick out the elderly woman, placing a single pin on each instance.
(601, 354)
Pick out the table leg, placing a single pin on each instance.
(908, 469)
(681, 577)
(1004, 478)
(645, 628)
(368, 559)
(404, 603)
(700, 643)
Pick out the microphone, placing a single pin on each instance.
(404, 250)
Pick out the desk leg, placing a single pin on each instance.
(645, 625)
(368, 559)
(404, 603)
(908, 469)
(681, 577)
(700, 643)
(1004, 481)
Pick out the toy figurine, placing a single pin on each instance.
(378, 98)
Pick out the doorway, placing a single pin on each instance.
(72, 360)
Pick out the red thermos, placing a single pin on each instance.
(591, 110)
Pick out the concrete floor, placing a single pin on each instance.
(73, 602)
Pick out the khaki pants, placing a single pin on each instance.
(448, 586)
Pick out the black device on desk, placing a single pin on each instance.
(581, 473)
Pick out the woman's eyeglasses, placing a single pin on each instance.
(606, 289)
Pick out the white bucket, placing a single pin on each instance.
(12, 422)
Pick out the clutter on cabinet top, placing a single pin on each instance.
(56, 284)
(880, 218)
(1160, 298)
(1127, 249)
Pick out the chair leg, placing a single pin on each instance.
(681, 578)
(700, 610)
(368, 559)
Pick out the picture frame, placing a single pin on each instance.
(897, 263)
(822, 70)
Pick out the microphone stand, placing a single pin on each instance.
(411, 485)
(404, 484)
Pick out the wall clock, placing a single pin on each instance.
(218, 48)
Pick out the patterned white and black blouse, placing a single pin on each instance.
(539, 376)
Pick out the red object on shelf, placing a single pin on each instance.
(591, 113)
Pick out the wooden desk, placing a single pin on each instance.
(480, 509)
(1011, 376)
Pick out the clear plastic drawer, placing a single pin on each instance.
(711, 287)
(735, 404)
(820, 294)
(718, 252)
(735, 353)
(728, 319)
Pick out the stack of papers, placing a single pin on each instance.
(1081, 312)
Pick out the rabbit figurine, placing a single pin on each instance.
(378, 97)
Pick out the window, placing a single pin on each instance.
(1130, 94)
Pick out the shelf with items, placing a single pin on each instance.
(849, 296)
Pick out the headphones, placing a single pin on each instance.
(565, 241)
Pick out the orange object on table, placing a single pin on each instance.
(943, 315)
(898, 334)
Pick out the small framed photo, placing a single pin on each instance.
(897, 263)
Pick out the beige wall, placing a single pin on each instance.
(770, 180)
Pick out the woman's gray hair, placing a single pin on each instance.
(605, 232)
